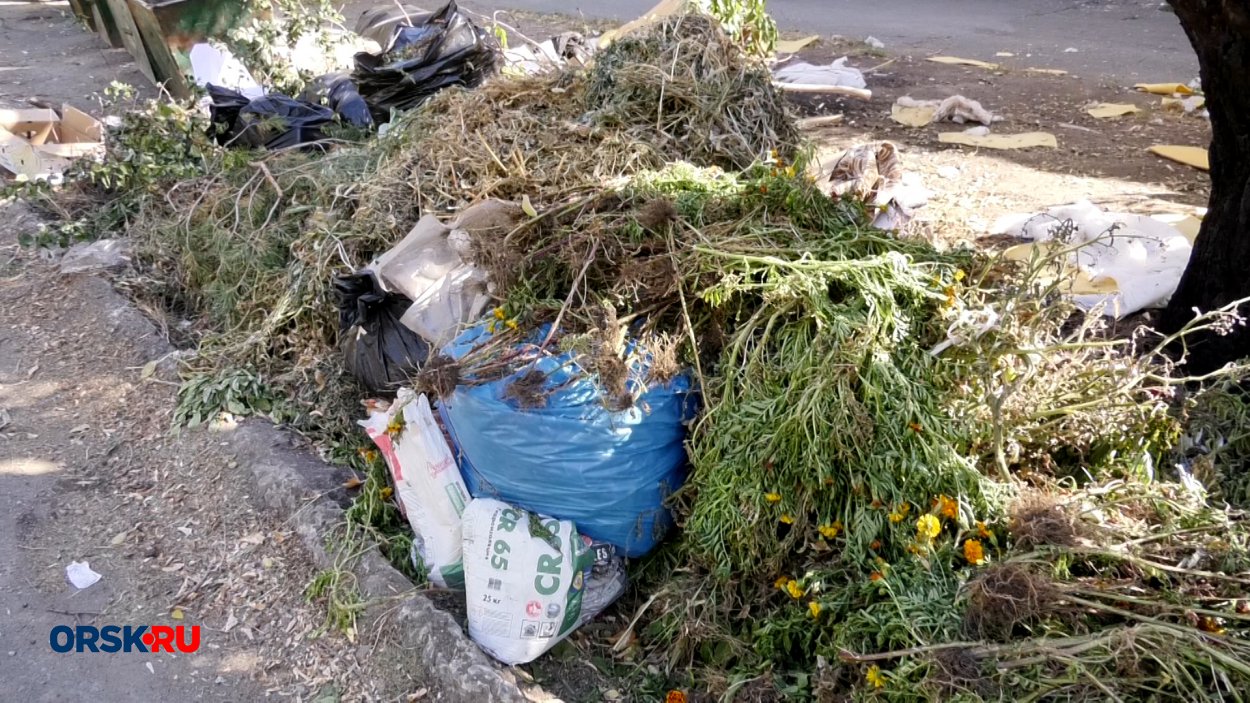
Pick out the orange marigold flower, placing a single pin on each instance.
(876, 544)
(876, 576)
(947, 507)
(1210, 624)
(675, 697)
(974, 552)
(982, 530)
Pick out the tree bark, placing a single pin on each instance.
(1219, 268)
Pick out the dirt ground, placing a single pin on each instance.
(1102, 160)
(89, 470)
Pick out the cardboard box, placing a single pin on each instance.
(35, 143)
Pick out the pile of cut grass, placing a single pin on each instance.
(857, 518)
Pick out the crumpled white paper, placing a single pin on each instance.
(80, 575)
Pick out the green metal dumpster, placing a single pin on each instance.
(169, 28)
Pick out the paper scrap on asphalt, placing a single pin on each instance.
(1188, 104)
(80, 575)
(1048, 71)
(665, 8)
(1164, 88)
(1024, 140)
(789, 46)
(956, 108)
(957, 61)
(1107, 110)
(1194, 156)
(912, 115)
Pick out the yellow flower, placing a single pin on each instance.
(927, 528)
(946, 507)
(386, 492)
(499, 314)
(897, 517)
(830, 531)
(395, 426)
(794, 589)
(772, 497)
(814, 608)
(974, 552)
(982, 529)
(781, 582)
(960, 275)
(787, 518)
(511, 324)
(875, 678)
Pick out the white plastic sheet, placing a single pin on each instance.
(1133, 261)
(836, 73)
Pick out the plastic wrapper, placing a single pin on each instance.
(443, 50)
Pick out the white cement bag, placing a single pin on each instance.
(531, 580)
(427, 482)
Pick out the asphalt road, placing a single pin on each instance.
(1114, 39)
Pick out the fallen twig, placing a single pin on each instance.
(858, 93)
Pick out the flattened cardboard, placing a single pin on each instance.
(35, 143)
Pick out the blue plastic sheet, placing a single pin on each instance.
(573, 459)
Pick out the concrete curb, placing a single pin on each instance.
(298, 485)
(290, 480)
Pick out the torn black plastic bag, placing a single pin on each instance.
(337, 91)
(378, 23)
(271, 121)
(377, 349)
(444, 50)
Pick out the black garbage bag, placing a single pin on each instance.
(421, 59)
(377, 349)
(337, 91)
(378, 23)
(223, 113)
(271, 121)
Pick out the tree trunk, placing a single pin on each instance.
(1219, 269)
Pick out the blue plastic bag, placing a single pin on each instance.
(573, 459)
